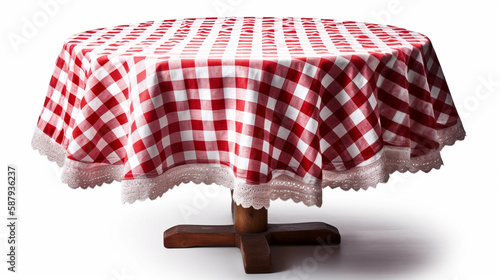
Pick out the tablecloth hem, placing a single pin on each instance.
(284, 186)
(48, 147)
(75, 174)
(134, 190)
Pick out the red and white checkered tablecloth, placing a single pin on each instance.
(269, 107)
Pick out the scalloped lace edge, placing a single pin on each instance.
(48, 147)
(284, 185)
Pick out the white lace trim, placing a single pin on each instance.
(284, 185)
(48, 147)
(84, 175)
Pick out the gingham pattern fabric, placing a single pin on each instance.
(270, 107)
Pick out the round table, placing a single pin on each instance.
(272, 108)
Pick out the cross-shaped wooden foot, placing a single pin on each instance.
(252, 235)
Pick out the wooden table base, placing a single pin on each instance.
(252, 235)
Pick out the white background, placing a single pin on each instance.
(440, 225)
